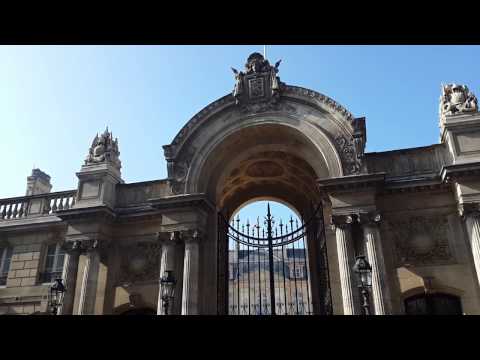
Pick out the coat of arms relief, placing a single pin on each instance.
(257, 89)
(420, 240)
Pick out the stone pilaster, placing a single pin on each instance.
(373, 247)
(69, 276)
(88, 287)
(471, 215)
(167, 263)
(343, 233)
(190, 274)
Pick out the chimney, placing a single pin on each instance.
(38, 183)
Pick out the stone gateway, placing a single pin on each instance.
(412, 214)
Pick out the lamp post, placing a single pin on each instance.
(57, 291)
(168, 289)
(364, 273)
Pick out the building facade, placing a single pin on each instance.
(414, 213)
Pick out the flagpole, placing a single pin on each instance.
(264, 51)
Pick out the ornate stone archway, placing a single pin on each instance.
(265, 140)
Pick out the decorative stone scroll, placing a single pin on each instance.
(457, 99)
(421, 240)
(178, 170)
(104, 150)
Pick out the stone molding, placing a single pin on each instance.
(349, 183)
(171, 150)
(359, 216)
(469, 209)
(349, 140)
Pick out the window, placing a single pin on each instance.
(5, 257)
(433, 304)
(296, 272)
(54, 259)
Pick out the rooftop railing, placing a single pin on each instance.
(36, 205)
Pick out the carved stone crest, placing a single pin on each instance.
(104, 149)
(421, 240)
(259, 82)
(457, 99)
(139, 262)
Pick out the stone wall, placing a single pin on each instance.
(23, 294)
(423, 161)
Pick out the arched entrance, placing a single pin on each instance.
(266, 141)
(268, 263)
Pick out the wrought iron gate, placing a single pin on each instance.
(269, 264)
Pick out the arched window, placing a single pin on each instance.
(433, 304)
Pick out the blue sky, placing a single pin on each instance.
(54, 99)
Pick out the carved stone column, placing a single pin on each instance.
(167, 263)
(471, 214)
(375, 258)
(88, 289)
(342, 225)
(190, 275)
(69, 276)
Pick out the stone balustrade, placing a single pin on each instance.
(36, 205)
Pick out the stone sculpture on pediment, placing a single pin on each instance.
(258, 84)
(104, 149)
(457, 99)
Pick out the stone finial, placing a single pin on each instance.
(457, 99)
(38, 183)
(104, 149)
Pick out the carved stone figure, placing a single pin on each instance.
(238, 90)
(104, 149)
(457, 99)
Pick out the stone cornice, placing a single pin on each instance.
(182, 201)
(414, 185)
(469, 209)
(360, 216)
(31, 224)
(352, 182)
(458, 171)
(98, 212)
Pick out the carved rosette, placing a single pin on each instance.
(421, 240)
(139, 262)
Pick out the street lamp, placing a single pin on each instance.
(168, 289)
(57, 291)
(364, 272)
